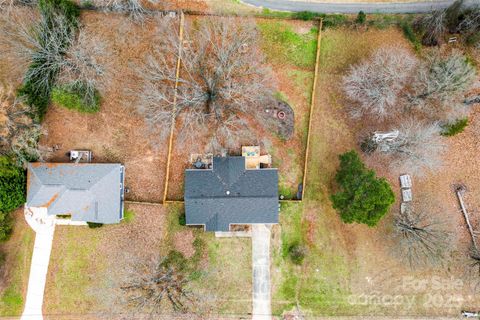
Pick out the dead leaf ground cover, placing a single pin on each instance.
(352, 269)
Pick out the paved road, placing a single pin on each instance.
(412, 7)
(261, 272)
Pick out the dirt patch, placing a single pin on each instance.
(183, 242)
(116, 133)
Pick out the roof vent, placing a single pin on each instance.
(228, 192)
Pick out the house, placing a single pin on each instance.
(88, 192)
(229, 193)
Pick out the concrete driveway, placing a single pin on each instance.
(261, 272)
(44, 227)
(317, 6)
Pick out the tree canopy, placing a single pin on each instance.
(362, 198)
(12, 193)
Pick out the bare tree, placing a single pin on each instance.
(85, 65)
(19, 135)
(421, 238)
(442, 79)
(417, 148)
(471, 22)
(44, 44)
(56, 51)
(376, 83)
(223, 80)
(135, 9)
(158, 285)
(433, 25)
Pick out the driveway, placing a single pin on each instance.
(44, 227)
(314, 6)
(261, 272)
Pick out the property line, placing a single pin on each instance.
(174, 116)
(312, 105)
(150, 203)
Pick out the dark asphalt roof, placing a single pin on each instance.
(230, 194)
(88, 192)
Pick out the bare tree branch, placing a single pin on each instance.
(420, 237)
(376, 83)
(222, 82)
(19, 135)
(417, 148)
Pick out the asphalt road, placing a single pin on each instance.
(411, 7)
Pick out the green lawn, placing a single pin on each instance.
(75, 266)
(322, 284)
(283, 45)
(225, 269)
(290, 48)
(20, 247)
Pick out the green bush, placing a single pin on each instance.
(77, 97)
(334, 20)
(363, 198)
(410, 35)
(297, 253)
(473, 39)
(305, 15)
(94, 225)
(454, 128)
(43, 71)
(37, 92)
(182, 220)
(128, 216)
(67, 8)
(361, 18)
(12, 193)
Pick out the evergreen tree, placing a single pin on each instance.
(362, 198)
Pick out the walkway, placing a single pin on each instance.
(44, 228)
(261, 272)
(314, 6)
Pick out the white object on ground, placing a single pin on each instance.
(261, 272)
(405, 181)
(233, 234)
(69, 222)
(407, 195)
(44, 227)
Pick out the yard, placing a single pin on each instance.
(352, 269)
(89, 266)
(15, 266)
(118, 134)
(348, 269)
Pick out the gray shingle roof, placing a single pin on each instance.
(90, 192)
(230, 194)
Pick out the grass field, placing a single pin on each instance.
(14, 273)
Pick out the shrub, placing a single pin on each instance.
(128, 216)
(361, 18)
(363, 198)
(182, 220)
(454, 128)
(94, 225)
(58, 24)
(333, 20)
(66, 8)
(305, 15)
(78, 96)
(410, 35)
(297, 253)
(12, 193)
